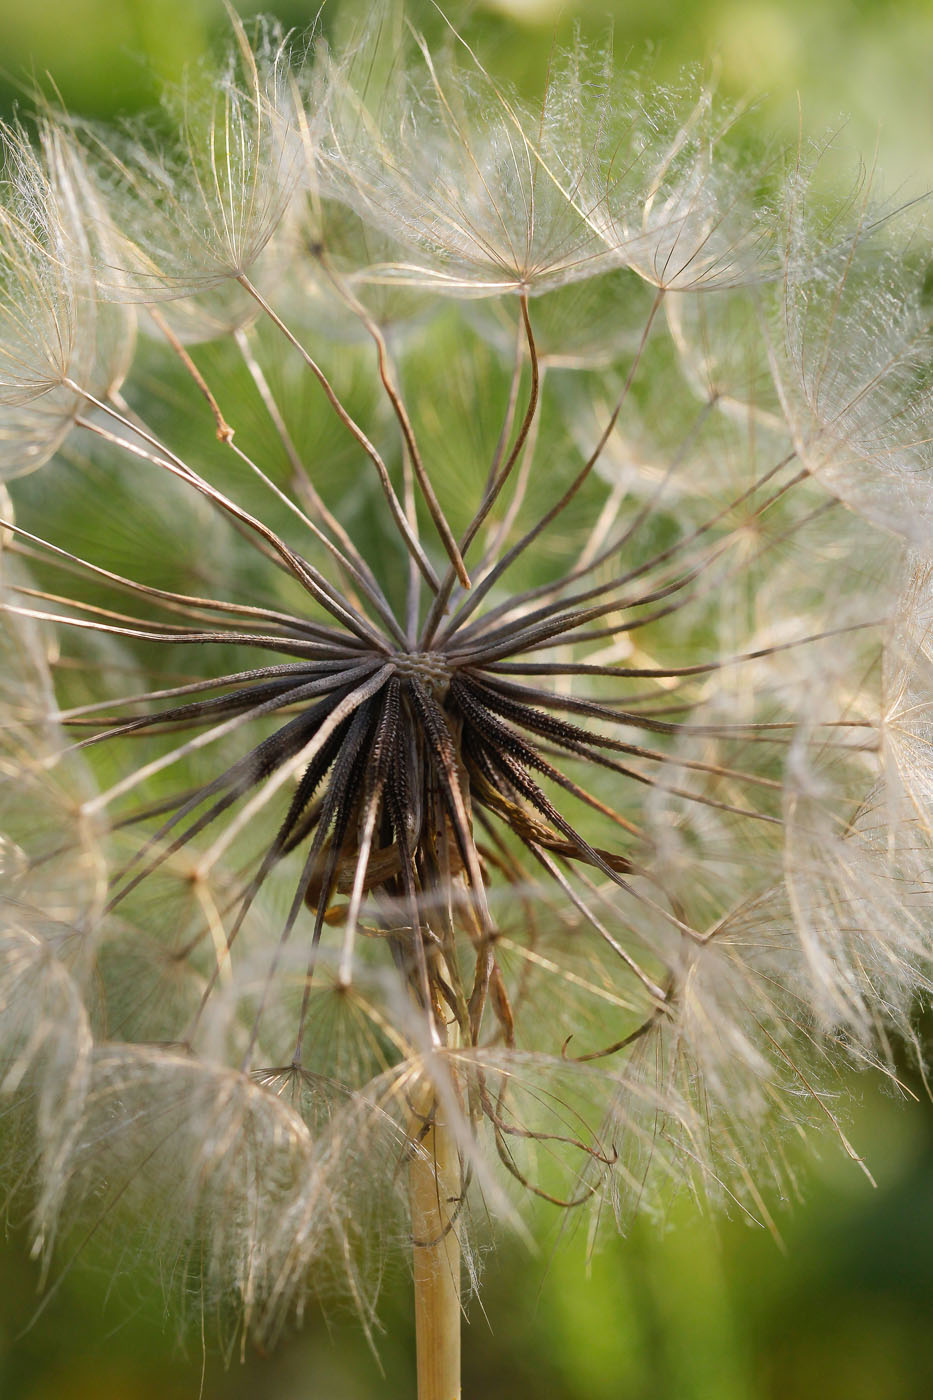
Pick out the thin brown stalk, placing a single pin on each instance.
(302, 482)
(492, 494)
(395, 506)
(387, 379)
(488, 581)
(313, 581)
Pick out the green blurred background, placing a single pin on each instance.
(695, 1309)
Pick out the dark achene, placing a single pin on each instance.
(407, 753)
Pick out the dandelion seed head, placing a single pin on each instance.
(45, 334)
(852, 375)
(190, 217)
(471, 672)
(483, 198)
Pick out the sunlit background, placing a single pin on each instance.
(838, 1307)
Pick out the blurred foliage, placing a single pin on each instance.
(690, 1309)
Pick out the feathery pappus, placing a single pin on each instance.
(467, 656)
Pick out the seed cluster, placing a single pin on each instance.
(467, 668)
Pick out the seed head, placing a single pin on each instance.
(434, 706)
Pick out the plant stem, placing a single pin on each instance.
(434, 1186)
